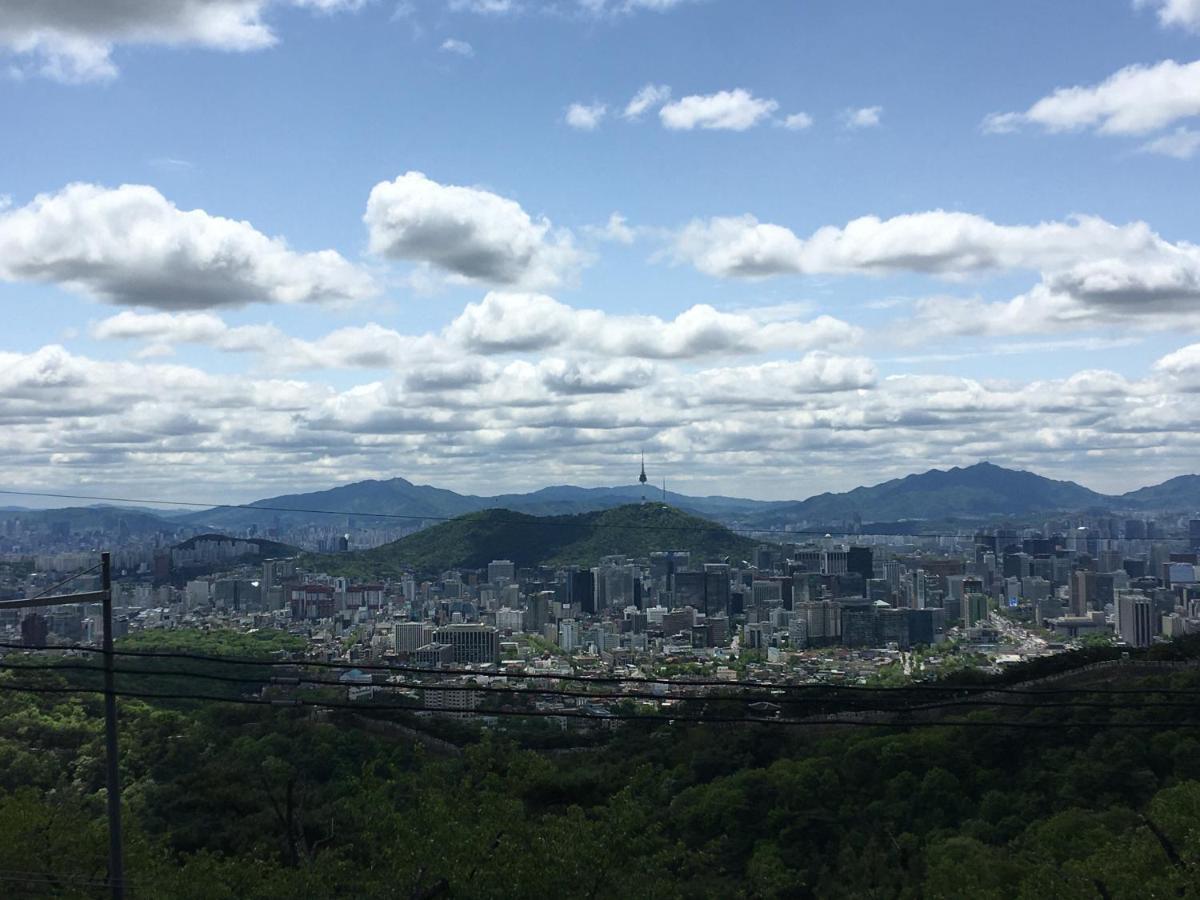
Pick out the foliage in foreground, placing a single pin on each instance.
(227, 801)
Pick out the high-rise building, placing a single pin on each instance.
(976, 609)
(472, 643)
(1194, 534)
(411, 636)
(716, 589)
(501, 570)
(35, 629)
(1083, 592)
(568, 635)
(582, 592)
(860, 560)
(1135, 619)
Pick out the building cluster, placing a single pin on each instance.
(1134, 579)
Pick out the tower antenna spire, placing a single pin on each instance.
(642, 477)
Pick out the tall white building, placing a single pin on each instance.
(568, 635)
(410, 636)
(1135, 618)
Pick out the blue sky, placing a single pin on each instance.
(489, 327)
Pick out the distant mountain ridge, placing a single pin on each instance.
(979, 491)
(976, 492)
(400, 497)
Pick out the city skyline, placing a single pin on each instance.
(877, 278)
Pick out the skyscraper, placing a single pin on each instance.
(1135, 619)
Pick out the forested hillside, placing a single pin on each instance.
(474, 540)
(240, 802)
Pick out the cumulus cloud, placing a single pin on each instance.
(797, 122)
(503, 323)
(499, 324)
(469, 232)
(131, 246)
(70, 419)
(1137, 100)
(863, 117)
(1179, 13)
(1107, 293)
(735, 110)
(369, 346)
(584, 117)
(73, 41)
(1185, 361)
(649, 97)
(936, 242)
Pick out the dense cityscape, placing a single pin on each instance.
(651, 449)
(854, 609)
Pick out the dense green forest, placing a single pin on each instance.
(226, 801)
(474, 540)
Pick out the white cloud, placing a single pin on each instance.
(1180, 13)
(784, 428)
(1185, 361)
(649, 97)
(506, 323)
(501, 323)
(864, 117)
(132, 246)
(616, 229)
(1152, 297)
(486, 7)
(461, 48)
(73, 40)
(1180, 144)
(584, 117)
(1136, 100)
(797, 122)
(626, 7)
(935, 242)
(735, 110)
(468, 232)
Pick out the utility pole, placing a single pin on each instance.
(116, 867)
(116, 862)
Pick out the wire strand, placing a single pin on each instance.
(599, 679)
(622, 695)
(53, 587)
(608, 716)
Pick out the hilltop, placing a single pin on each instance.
(977, 491)
(474, 540)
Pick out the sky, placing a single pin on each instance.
(249, 247)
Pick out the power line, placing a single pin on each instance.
(555, 520)
(604, 679)
(623, 695)
(298, 703)
(54, 587)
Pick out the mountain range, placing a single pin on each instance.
(974, 493)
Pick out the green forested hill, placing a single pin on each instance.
(474, 540)
(259, 803)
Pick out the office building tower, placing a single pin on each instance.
(1135, 619)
